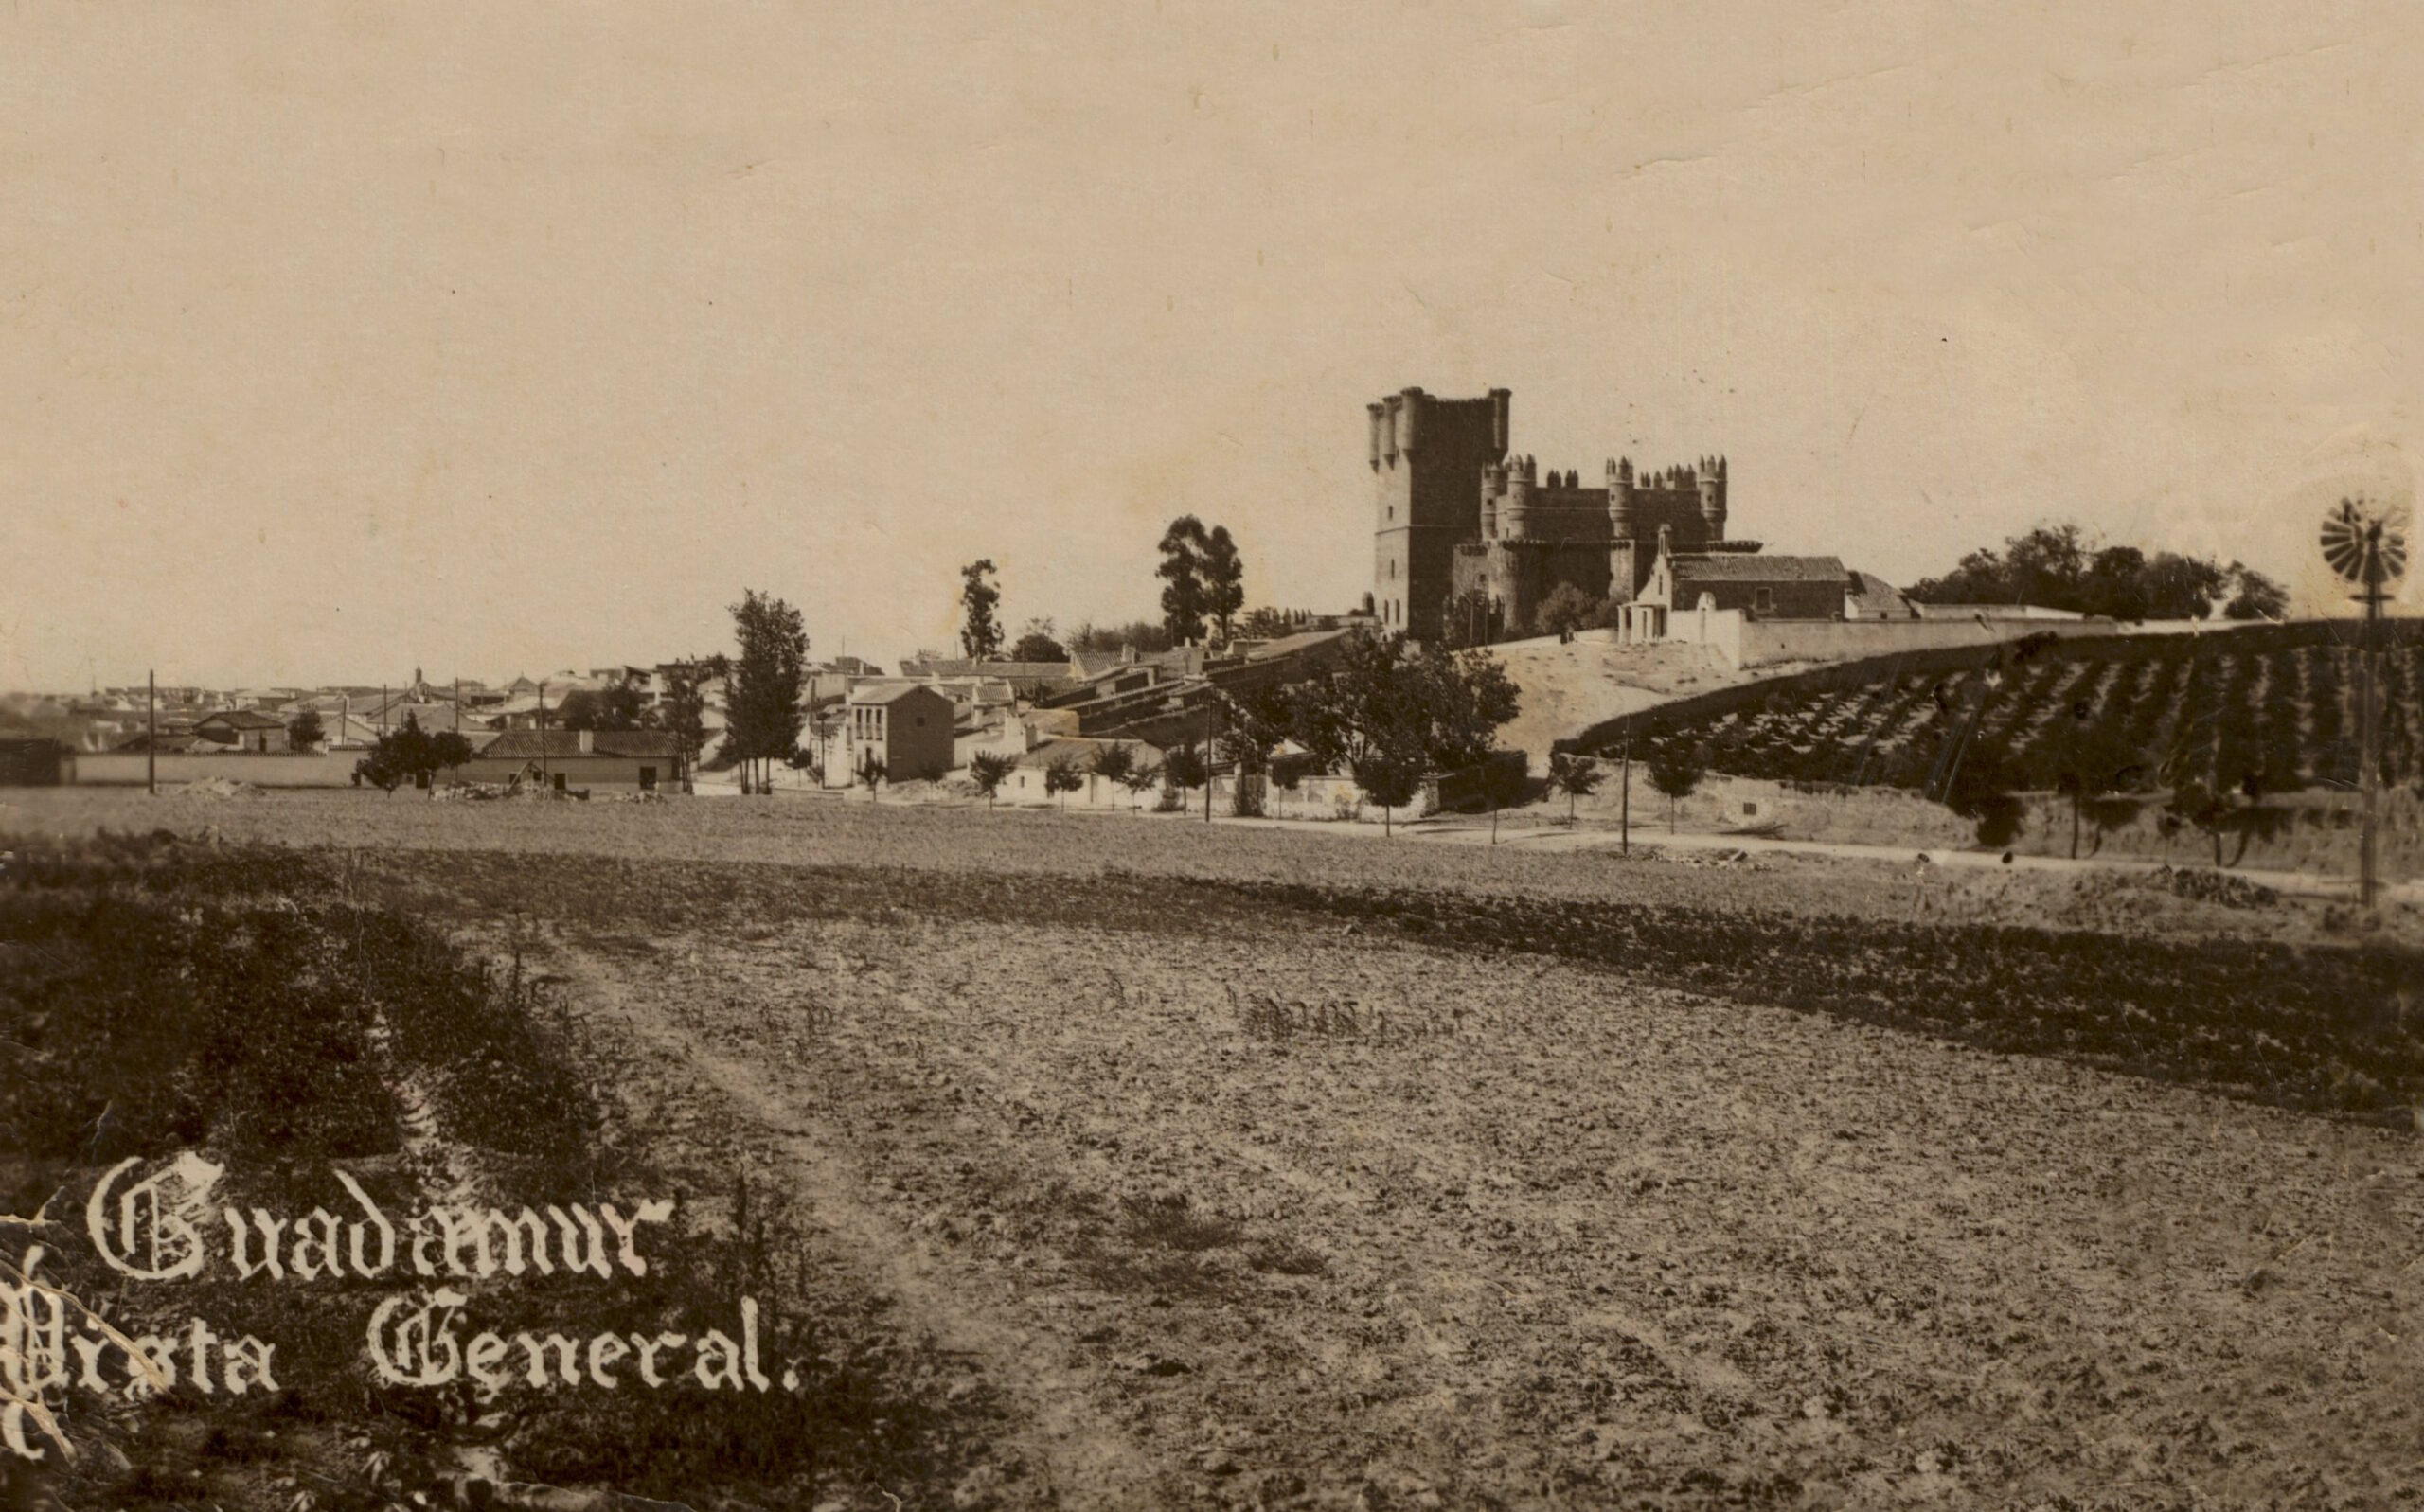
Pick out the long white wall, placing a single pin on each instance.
(323, 769)
(1746, 643)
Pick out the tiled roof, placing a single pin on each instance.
(525, 745)
(968, 667)
(1755, 568)
(890, 692)
(1289, 644)
(244, 720)
(1081, 751)
(1878, 597)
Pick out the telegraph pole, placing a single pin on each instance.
(1207, 751)
(544, 783)
(1624, 809)
(151, 732)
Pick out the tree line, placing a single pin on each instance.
(2052, 566)
(1202, 597)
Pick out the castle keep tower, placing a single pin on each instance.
(1427, 457)
(1458, 522)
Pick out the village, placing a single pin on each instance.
(1592, 610)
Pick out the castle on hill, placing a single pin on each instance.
(1461, 524)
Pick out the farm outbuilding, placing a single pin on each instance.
(38, 762)
(571, 760)
(1761, 586)
(242, 730)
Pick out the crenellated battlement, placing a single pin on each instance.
(1457, 512)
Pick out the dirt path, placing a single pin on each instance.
(744, 1108)
(1549, 1238)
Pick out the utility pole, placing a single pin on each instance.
(1624, 809)
(459, 705)
(543, 784)
(1207, 751)
(2369, 775)
(151, 734)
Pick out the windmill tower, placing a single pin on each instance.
(2366, 544)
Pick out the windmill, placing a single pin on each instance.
(2366, 544)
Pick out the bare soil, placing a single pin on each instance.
(1228, 1199)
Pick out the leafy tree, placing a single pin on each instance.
(1438, 710)
(768, 677)
(1144, 636)
(682, 711)
(616, 706)
(980, 633)
(1469, 620)
(1465, 696)
(1389, 780)
(1263, 623)
(2258, 596)
(1142, 776)
(2051, 566)
(2117, 584)
(1063, 774)
(870, 773)
(2090, 764)
(2046, 564)
(1676, 769)
(1576, 777)
(380, 768)
(1186, 768)
(1566, 610)
(1182, 573)
(2109, 812)
(304, 731)
(989, 769)
(1253, 722)
(411, 754)
(2181, 587)
(1502, 782)
(1036, 644)
(1112, 762)
(1223, 575)
(1980, 789)
(2195, 805)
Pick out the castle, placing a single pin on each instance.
(1463, 526)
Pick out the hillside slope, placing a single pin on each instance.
(1568, 688)
(2276, 703)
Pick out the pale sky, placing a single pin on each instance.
(336, 340)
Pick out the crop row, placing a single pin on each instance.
(2194, 708)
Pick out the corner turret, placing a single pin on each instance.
(1710, 477)
(1515, 510)
(1620, 513)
